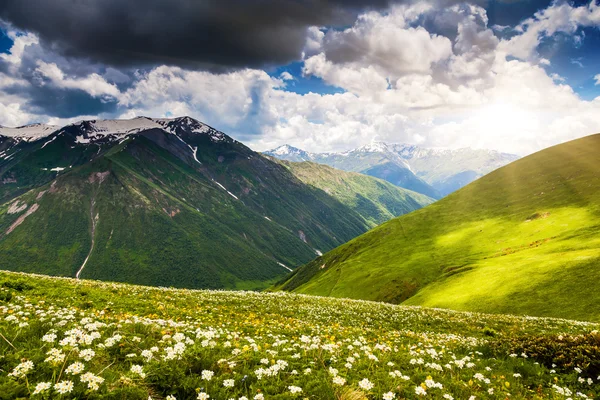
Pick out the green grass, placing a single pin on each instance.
(376, 200)
(523, 239)
(159, 342)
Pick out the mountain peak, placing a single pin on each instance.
(290, 153)
(373, 147)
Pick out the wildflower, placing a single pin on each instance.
(170, 397)
(92, 380)
(56, 356)
(420, 391)
(147, 354)
(366, 384)
(75, 368)
(338, 380)
(139, 370)
(517, 375)
(87, 354)
(207, 375)
(259, 397)
(64, 387)
(228, 383)
(294, 389)
(49, 338)
(203, 396)
(389, 396)
(42, 387)
(22, 369)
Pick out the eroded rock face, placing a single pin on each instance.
(16, 207)
(98, 177)
(302, 236)
(22, 218)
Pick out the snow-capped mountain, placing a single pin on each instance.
(114, 129)
(409, 166)
(172, 202)
(290, 153)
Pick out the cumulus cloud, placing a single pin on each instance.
(94, 84)
(559, 17)
(387, 42)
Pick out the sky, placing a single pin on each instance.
(322, 75)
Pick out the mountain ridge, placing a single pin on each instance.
(170, 202)
(431, 171)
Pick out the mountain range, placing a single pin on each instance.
(433, 172)
(522, 239)
(172, 202)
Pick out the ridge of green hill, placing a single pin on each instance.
(522, 239)
(375, 199)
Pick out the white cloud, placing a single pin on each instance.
(386, 42)
(559, 17)
(93, 84)
(286, 76)
(597, 78)
(20, 43)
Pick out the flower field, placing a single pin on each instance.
(66, 339)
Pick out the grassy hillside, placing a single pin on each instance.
(375, 199)
(523, 239)
(62, 338)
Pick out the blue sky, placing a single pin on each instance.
(509, 75)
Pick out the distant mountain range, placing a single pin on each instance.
(522, 239)
(172, 202)
(433, 172)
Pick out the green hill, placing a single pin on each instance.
(163, 202)
(523, 239)
(375, 199)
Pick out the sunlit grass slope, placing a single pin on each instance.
(523, 239)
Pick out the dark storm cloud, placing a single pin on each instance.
(62, 103)
(208, 34)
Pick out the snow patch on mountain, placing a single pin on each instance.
(28, 133)
(115, 129)
(290, 153)
(225, 189)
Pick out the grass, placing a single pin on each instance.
(522, 239)
(376, 200)
(102, 340)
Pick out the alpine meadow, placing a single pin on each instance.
(299, 200)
